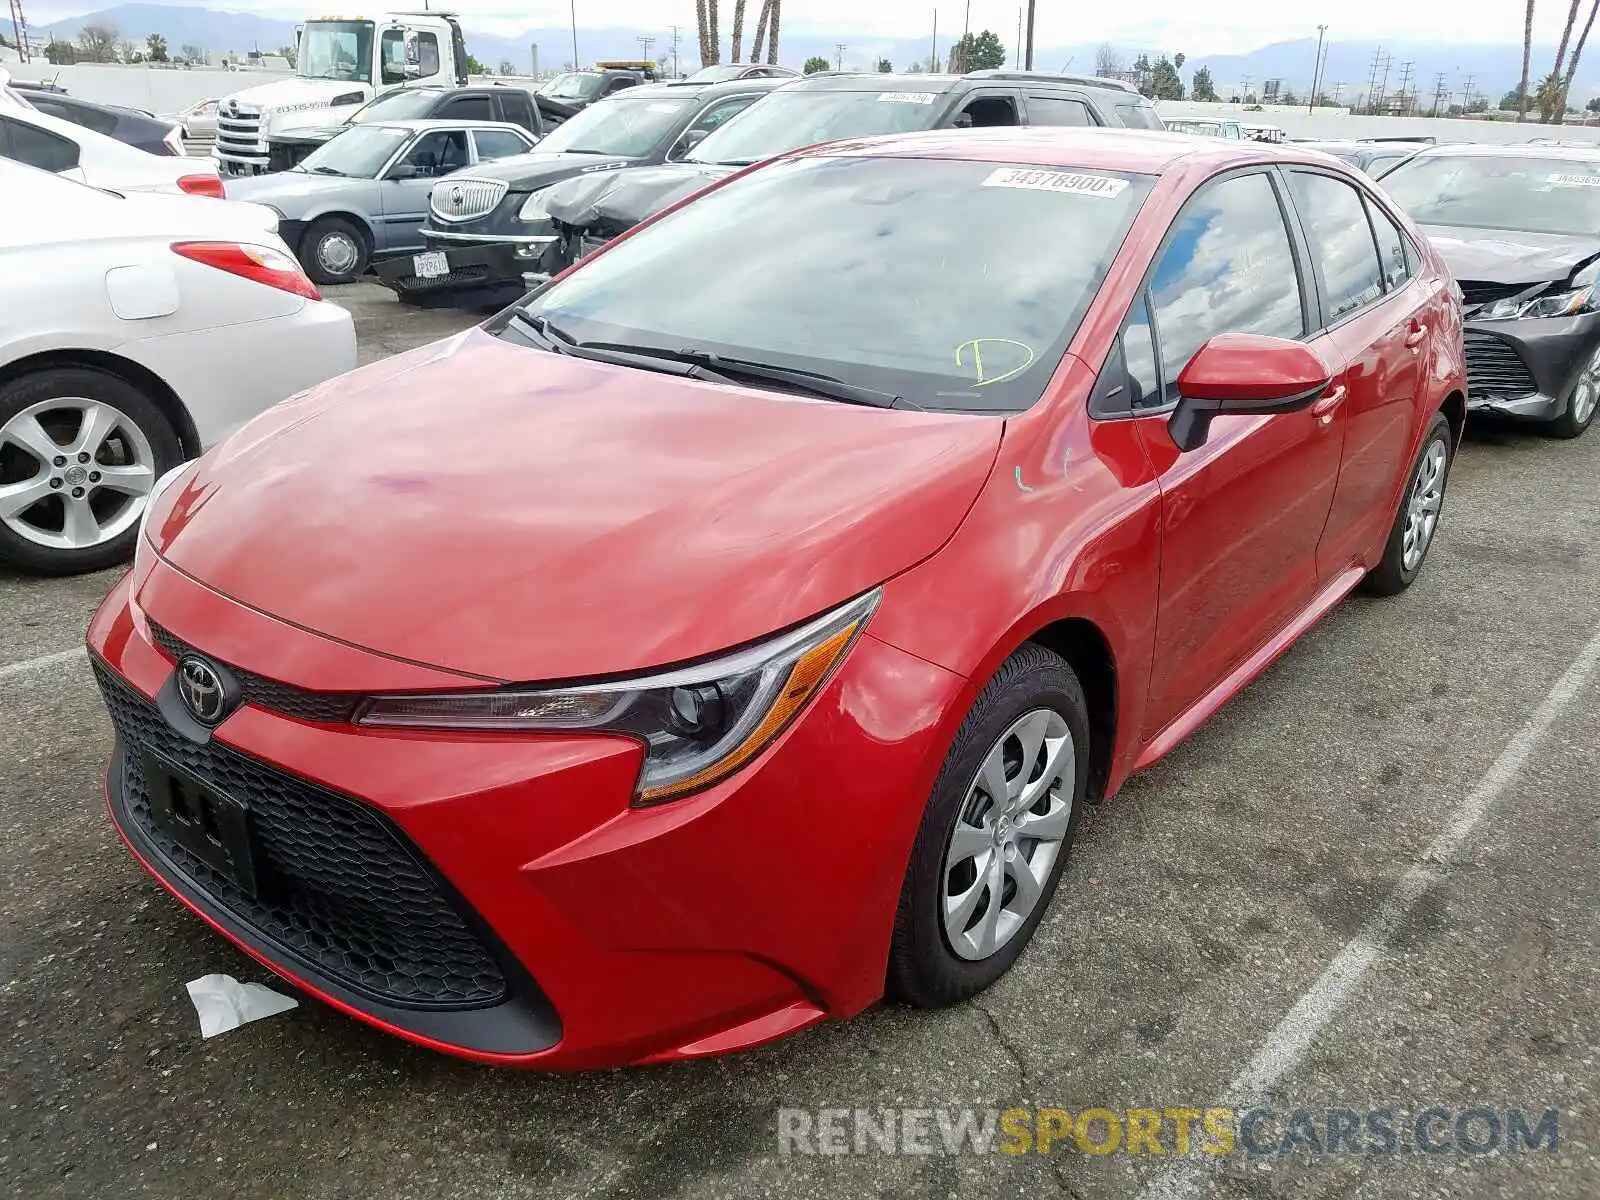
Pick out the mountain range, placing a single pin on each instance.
(1489, 70)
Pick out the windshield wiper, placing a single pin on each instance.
(559, 341)
(322, 170)
(825, 386)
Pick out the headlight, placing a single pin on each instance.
(698, 724)
(533, 208)
(160, 485)
(1561, 304)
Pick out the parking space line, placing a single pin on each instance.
(44, 660)
(1182, 1179)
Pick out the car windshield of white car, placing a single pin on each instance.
(952, 285)
(1533, 195)
(357, 153)
(627, 126)
(787, 120)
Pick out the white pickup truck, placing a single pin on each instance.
(342, 63)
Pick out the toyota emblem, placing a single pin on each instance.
(201, 689)
(457, 197)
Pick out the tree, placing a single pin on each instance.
(97, 43)
(1550, 97)
(1164, 81)
(710, 33)
(192, 53)
(1512, 101)
(763, 18)
(738, 29)
(126, 51)
(915, 68)
(292, 53)
(1203, 88)
(504, 67)
(817, 63)
(1527, 55)
(1593, 105)
(773, 21)
(977, 52)
(60, 54)
(156, 48)
(1290, 99)
(1144, 73)
(885, 67)
(1577, 51)
(1108, 62)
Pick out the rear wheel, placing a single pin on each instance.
(1582, 404)
(334, 250)
(79, 451)
(1420, 507)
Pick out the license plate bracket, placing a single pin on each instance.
(205, 821)
(430, 264)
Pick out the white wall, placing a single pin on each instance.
(162, 91)
(1337, 123)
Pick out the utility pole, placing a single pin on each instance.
(1244, 84)
(572, 7)
(1372, 76)
(675, 51)
(1383, 88)
(1016, 52)
(840, 48)
(1405, 81)
(1027, 64)
(965, 45)
(1466, 94)
(933, 57)
(646, 44)
(1438, 91)
(19, 27)
(1338, 88)
(1316, 70)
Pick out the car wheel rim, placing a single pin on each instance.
(74, 473)
(1587, 394)
(1422, 509)
(1008, 834)
(337, 252)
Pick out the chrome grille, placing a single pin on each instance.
(239, 129)
(465, 199)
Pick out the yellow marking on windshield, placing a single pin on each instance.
(976, 345)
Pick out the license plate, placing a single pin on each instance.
(211, 825)
(430, 265)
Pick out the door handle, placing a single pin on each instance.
(1331, 399)
(1417, 333)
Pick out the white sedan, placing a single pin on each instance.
(135, 331)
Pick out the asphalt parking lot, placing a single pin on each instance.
(1442, 747)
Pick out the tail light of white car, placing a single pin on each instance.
(261, 264)
(201, 185)
(174, 142)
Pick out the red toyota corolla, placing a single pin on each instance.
(734, 630)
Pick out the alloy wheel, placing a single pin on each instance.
(1008, 834)
(1423, 505)
(74, 473)
(1586, 393)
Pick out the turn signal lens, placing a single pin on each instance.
(261, 264)
(202, 185)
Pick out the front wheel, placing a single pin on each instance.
(1420, 507)
(334, 250)
(1581, 404)
(995, 834)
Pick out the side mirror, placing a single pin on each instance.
(1244, 373)
(405, 171)
(688, 142)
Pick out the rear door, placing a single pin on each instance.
(1375, 310)
(1058, 108)
(1243, 514)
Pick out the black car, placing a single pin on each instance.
(1520, 228)
(1372, 157)
(479, 102)
(825, 108)
(579, 89)
(128, 125)
(487, 229)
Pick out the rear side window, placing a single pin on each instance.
(1055, 110)
(1138, 116)
(517, 108)
(1228, 267)
(79, 114)
(497, 143)
(1341, 241)
(37, 147)
(1391, 249)
(468, 108)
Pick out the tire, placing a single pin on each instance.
(1392, 575)
(135, 441)
(1582, 403)
(335, 250)
(925, 968)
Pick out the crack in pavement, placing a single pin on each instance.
(1023, 1071)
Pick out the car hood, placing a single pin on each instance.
(516, 515)
(525, 172)
(291, 95)
(627, 197)
(1509, 256)
(283, 186)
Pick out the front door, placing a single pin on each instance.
(404, 192)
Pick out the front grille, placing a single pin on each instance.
(1474, 293)
(343, 890)
(323, 708)
(1495, 369)
(459, 277)
(240, 133)
(465, 199)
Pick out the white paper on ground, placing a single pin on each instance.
(223, 1003)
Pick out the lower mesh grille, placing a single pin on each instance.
(1494, 368)
(348, 895)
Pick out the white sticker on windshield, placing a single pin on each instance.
(1560, 180)
(662, 108)
(1072, 182)
(906, 97)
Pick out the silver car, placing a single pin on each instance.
(364, 193)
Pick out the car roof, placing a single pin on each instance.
(1144, 152)
(416, 123)
(725, 87)
(860, 81)
(1477, 150)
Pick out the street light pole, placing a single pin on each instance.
(1316, 71)
(1028, 62)
(572, 6)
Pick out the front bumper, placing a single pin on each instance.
(1527, 368)
(473, 266)
(618, 934)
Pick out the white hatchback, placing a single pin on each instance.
(135, 331)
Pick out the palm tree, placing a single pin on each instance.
(738, 28)
(1549, 103)
(774, 21)
(710, 36)
(1527, 55)
(763, 18)
(1572, 66)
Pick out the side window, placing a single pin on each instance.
(1054, 110)
(1138, 116)
(517, 108)
(392, 56)
(1391, 249)
(1138, 347)
(38, 148)
(1228, 267)
(987, 112)
(427, 54)
(438, 153)
(716, 114)
(1336, 226)
(497, 143)
(618, 83)
(468, 108)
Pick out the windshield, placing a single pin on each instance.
(339, 50)
(358, 152)
(404, 105)
(718, 74)
(575, 85)
(1534, 195)
(787, 120)
(628, 126)
(918, 278)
